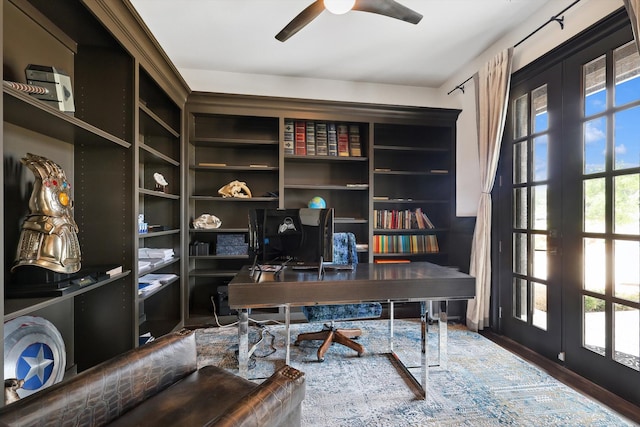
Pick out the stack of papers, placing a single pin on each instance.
(149, 282)
(162, 253)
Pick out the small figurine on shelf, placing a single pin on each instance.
(161, 183)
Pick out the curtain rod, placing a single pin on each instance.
(554, 18)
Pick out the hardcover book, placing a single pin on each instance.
(343, 140)
(354, 141)
(288, 137)
(311, 139)
(300, 138)
(332, 137)
(322, 141)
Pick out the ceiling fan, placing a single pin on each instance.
(389, 8)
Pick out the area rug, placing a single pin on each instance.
(483, 384)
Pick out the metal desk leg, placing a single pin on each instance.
(243, 343)
(442, 335)
(391, 310)
(424, 349)
(287, 324)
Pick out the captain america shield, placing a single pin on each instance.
(34, 351)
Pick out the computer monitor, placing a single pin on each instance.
(298, 237)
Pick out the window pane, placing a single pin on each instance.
(627, 270)
(520, 162)
(595, 145)
(627, 204)
(627, 138)
(594, 265)
(539, 202)
(594, 205)
(520, 207)
(539, 317)
(540, 256)
(595, 90)
(520, 299)
(521, 118)
(626, 348)
(520, 253)
(540, 158)
(539, 105)
(594, 325)
(627, 71)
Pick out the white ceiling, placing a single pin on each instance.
(238, 36)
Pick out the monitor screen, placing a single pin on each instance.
(296, 236)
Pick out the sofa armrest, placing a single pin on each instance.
(103, 393)
(276, 402)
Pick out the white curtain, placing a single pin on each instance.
(492, 95)
(632, 7)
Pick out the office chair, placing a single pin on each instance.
(344, 252)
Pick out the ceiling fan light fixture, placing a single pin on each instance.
(339, 7)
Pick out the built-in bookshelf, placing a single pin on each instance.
(224, 148)
(127, 122)
(159, 306)
(413, 201)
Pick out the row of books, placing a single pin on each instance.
(310, 138)
(401, 219)
(409, 244)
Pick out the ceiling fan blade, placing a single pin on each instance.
(389, 8)
(300, 21)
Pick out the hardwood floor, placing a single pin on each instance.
(571, 379)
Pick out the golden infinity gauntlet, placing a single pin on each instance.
(49, 233)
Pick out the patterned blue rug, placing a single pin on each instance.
(483, 385)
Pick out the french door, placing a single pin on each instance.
(569, 210)
(529, 225)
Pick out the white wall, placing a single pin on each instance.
(579, 17)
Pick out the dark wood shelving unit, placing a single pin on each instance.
(99, 148)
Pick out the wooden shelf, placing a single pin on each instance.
(231, 142)
(28, 112)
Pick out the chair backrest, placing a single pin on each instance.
(344, 248)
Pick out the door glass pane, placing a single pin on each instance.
(520, 253)
(594, 205)
(521, 117)
(594, 265)
(627, 270)
(595, 90)
(520, 299)
(627, 67)
(539, 106)
(539, 317)
(627, 138)
(627, 204)
(539, 201)
(540, 158)
(520, 207)
(520, 162)
(540, 256)
(594, 337)
(595, 145)
(626, 348)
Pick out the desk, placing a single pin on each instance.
(417, 281)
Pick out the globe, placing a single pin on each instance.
(317, 203)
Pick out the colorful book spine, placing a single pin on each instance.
(289, 132)
(332, 135)
(300, 138)
(343, 140)
(311, 139)
(322, 142)
(354, 141)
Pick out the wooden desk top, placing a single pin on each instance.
(416, 281)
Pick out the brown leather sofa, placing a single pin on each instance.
(158, 384)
